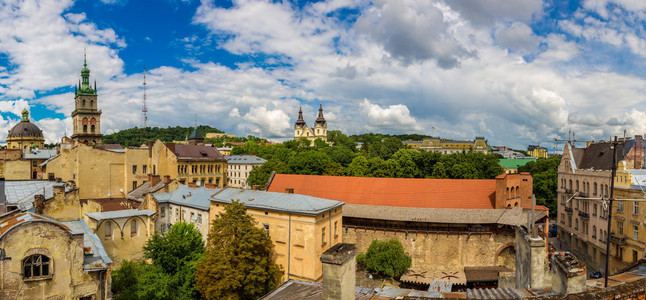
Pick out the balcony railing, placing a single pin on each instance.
(617, 240)
(568, 209)
(584, 215)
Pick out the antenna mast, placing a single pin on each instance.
(144, 107)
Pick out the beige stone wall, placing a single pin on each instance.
(138, 158)
(175, 213)
(163, 160)
(17, 170)
(65, 251)
(121, 244)
(22, 142)
(297, 238)
(63, 207)
(441, 251)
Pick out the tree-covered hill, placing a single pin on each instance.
(137, 136)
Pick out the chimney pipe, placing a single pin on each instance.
(289, 190)
(339, 272)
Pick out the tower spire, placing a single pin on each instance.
(300, 121)
(320, 119)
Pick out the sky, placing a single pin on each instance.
(516, 72)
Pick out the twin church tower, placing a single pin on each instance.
(301, 130)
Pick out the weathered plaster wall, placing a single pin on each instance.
(121, 244)
(441, 251)
(16, 169)
(69, 281)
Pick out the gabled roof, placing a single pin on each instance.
(144, 189)
(199, 198)
(125, 213)
(282, 202)
(198, 152)
(40, 154)
(404, 192)
(598, 156)
(244, 159)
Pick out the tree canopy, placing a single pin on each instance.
(239, 260)
(545, 174)
(174, 256)
(385, 258)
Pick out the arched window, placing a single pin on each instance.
(91, 103)
(92, 128)
(83, 102)
(36, 266)
(595, 189)
(607, 190)
(84, 128)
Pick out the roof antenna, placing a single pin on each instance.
(144, 107)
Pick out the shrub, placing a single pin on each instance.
(385, 258)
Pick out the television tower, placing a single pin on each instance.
(144, 107)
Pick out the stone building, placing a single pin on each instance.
(301, 130)
(190, 163)
(584, 177)
(43, 258)
(186, 203)
(446, 225)
(238, 168)
(25, 135)
(86, 117)
(537, 151)
(448, 146)
(301, 227)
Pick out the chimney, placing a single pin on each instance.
(339, 272)
(58, 179)
(39, 204)
(289, 190)
(166, 179)
(59, 189)
(71, 183)
(639, 152)
(569, 274)
(153, 179)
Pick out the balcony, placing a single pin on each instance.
(617, 240)
(568, 209)
(584, 215)
(582, 194)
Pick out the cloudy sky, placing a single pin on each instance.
(517, 72)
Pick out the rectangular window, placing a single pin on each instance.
(635, 256)
(620, 227)
(199, 219)
(636, 233)
(163, 212)
(108, 229)
(635, 208)
(594, 210)
(265, 227)
(323, 236)
(335, 229)
(133, 227)
(177, 216)
(193, 218)
(134, 184)
(144, 169)
(34, 163)
(620, 206)
(134, 169)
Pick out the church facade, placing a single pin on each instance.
(86, 117)
(319, 131)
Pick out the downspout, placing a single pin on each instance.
(330, 219)
(101, 285)
(289, 242)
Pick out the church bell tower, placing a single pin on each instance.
(86, 117)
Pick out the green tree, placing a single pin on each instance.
(404, 163)
(239, 261)
(440, 171)
(333, 169)
(378, 167)
(311, 162)
(260, 175)
(170, 276)
(385, 258)
(358, 167)
(545, 174)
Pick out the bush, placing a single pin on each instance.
(385, 258)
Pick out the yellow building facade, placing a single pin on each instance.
(189, 163)
(299, 236)
(537, 151)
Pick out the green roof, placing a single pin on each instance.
(514, 163)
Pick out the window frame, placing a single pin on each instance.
(39, 264)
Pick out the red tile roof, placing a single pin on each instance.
(402, 192)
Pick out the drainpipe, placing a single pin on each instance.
(330, 219)
(289, 242)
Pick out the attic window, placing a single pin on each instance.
(204, 153)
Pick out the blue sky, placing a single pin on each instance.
(520, 72)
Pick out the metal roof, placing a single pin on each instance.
(95, 258)
(22, 192)
(39, 154)
(125, 213)
(305, 290)
(199, 198)
(498, 293)
(294, 203)
(244, 159)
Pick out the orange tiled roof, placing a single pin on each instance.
(17, 218)
(403, 192)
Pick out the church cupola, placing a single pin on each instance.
(300, 121)
(320, 120)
